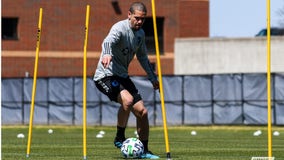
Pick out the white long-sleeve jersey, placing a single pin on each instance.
(122, 43)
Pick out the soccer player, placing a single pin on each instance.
(126, 39)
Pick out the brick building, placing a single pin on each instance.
(63, 33)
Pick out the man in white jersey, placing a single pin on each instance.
(126, 39)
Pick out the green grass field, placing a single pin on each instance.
(210, 143)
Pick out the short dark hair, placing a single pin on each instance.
(138, 6)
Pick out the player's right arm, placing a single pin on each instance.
(111, 39)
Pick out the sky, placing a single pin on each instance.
(242, 18)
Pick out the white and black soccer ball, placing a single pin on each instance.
(132, 148)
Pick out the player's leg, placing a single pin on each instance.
(142, 121)
(126, 100)
(111, 86)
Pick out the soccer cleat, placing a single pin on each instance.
(118, 142)
(149, 155)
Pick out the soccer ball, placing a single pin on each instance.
(132, 148)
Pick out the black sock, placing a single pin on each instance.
(120, 133)
(145, 144)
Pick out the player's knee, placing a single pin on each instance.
(127, 102)
(131, 100)
(144, 113)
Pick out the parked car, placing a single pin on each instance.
(273, 32)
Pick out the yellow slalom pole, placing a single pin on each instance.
(161, 82)
(34, 82)
(269, 130)
(85, 84)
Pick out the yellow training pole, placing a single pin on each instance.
(161, 82)
(268, 82)
(34, 82)
(85, 84)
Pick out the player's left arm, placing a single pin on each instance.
(145, 63)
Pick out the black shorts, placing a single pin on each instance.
(112, 85)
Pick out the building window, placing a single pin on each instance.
(9, 28)
(150, 37)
